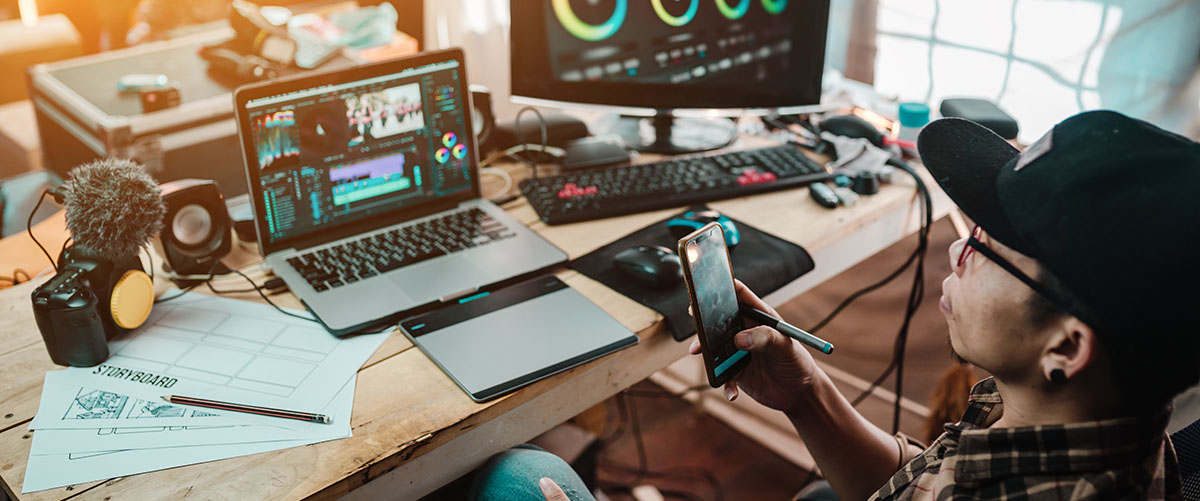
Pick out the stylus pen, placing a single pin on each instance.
(787, 329)
(252, 409)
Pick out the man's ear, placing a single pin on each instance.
(1072, 348)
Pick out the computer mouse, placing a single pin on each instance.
(653, 265)
(695, 219)
(852, 126)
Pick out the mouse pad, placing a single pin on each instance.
(762, 261)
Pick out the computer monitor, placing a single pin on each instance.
(659, 58)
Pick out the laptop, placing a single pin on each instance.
(365, 188)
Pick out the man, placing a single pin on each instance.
(1075, 292)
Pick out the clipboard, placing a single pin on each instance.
(492, 343)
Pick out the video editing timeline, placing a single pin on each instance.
(668, 41)
(275, 138)
(372, 178)
(359, 149)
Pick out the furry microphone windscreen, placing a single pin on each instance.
(113, 207)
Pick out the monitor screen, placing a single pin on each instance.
(338, 153)
(670, 54)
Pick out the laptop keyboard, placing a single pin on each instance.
(333, 267)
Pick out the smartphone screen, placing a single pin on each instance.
(709, 277)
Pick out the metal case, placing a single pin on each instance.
(82, 117)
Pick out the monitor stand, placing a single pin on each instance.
(671, 135)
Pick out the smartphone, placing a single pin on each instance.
(709, 277)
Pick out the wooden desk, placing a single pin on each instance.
(414, 430)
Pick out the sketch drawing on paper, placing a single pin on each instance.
(96, 404)
(145, 409)
(99, 404)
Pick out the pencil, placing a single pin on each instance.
(252, 409)
(786, 329)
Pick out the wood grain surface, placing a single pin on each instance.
(405, 407)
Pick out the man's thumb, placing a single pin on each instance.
(552, 491)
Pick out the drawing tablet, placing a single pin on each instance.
(496, 342)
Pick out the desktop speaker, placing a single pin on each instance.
(197, 231)
(483, 119)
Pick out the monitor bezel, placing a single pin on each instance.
(245, 94)
(642, 99)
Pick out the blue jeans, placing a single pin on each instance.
(513, 475)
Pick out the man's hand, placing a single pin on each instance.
(780, 368)
(552, 491)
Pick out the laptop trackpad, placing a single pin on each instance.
(432, 280)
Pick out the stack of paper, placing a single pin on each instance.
(196, 346)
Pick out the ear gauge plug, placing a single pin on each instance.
(1057, 376)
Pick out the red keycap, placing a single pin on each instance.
(755, 177)
(571, 190)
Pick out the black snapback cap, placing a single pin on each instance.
(1107, 204)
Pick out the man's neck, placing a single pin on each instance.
(1038, 404)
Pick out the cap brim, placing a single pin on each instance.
(965, 159)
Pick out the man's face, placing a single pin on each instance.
(987, 312)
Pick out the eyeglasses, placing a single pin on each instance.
(1069, 306)
(968, 249)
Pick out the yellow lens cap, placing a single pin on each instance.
(132, 298)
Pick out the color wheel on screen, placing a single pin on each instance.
(774, 6)
(459, 151)
(449, 139)
(679, 20)
(442, 155)
(590, 32)
(733, 12)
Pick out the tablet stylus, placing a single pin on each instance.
(787, 329)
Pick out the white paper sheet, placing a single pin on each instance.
(47, 471)
(220, 349)
(144, 431)
(79, 399)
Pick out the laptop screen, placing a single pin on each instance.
(341, 152)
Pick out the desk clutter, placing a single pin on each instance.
(366, 205)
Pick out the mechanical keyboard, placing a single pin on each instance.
(613, 191)
(349, 262)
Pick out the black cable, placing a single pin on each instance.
(29, 228)
(521, 140)
(915, 297)
(222, 292)
(637, 441)
(620, 426)
(268, 300)
(784, 127)
(866, 290)
(182, 292)
(628, 413)
(17, 272)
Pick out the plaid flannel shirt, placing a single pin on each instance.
(1124, 458)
